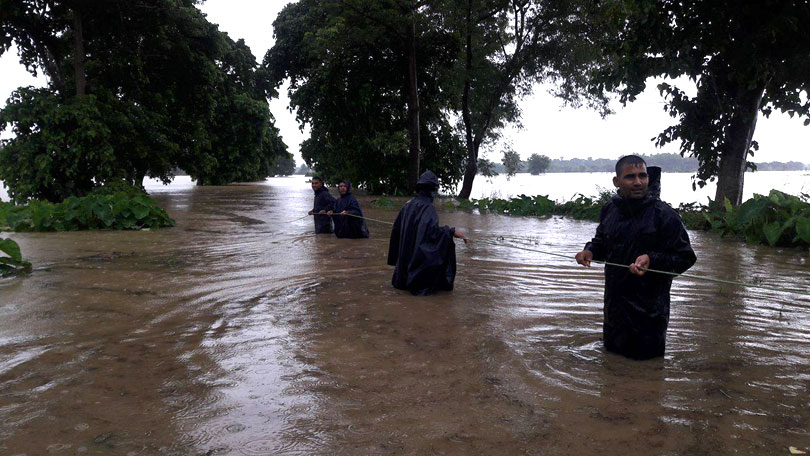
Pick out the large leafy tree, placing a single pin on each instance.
(506, 47)
(746, 58)
(244, 143)
(135, 88)
(349, 75)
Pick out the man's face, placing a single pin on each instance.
(633, 181)
(316, 184)
(342, 188)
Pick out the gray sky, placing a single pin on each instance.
(549, 129)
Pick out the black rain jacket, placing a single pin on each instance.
(347, 226)
(637, 308)
(423, 253)
(323, 202)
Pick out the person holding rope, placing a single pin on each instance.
(323, 202)
(423, 253)
(347, 215)
(638, 229)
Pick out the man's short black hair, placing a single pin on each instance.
(634, 160)
(316, 178)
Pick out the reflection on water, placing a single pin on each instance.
(240, 332)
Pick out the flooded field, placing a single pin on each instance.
(238, 332)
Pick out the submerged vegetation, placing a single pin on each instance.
(123, 210)
(11, 261)
(581, 208)
(115, 206)
(778, 219)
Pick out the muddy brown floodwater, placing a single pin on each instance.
(239, 332)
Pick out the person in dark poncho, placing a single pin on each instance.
(347, 214)
(423, 253)
(637, 229)
(323, 202)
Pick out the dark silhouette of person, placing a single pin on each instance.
(422, 252)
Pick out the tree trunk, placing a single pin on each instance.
(78, 54)
(737, 143)
(472, 148)
(413, 108)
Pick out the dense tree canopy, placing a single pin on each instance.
(348, 71)
(348, 64)
(135, 88)
(745, 58)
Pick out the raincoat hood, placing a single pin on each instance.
(428, 178)
(348, 186)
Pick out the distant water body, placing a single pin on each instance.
(676, 188)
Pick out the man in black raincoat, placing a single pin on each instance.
(422, 252)
(347, 215)
(323, 202)
(637, 229)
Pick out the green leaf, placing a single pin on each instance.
(727, 205)
(11, 249)
(803, 229)
(773, 231)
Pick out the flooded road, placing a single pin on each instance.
(238, 332)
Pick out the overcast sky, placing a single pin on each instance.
(548, 129)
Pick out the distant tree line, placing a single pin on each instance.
(672, 163)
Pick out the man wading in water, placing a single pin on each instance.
(422, 252)
(323, 202)
(637, 229)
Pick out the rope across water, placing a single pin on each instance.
(503, 243)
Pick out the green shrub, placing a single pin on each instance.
(117, 211)
(582, 207)
(11, 261)
(119, 186)
(778, 219)
(585, 207)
